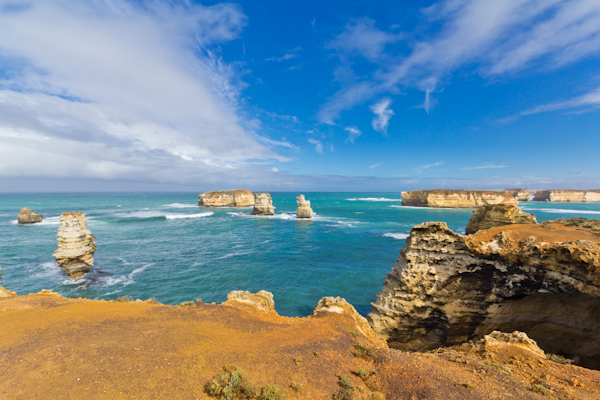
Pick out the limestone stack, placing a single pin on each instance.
(76, 246)
(567, 196)
(226, 198)
(28, 217)
(498, 215)
(446, 289)
(456, 198)
(519, 194)
(263, 204)
(304, 210)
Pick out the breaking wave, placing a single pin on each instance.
(396, 235)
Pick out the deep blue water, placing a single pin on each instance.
(163, 245)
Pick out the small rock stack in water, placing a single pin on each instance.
(76, 246)
(304, 210)
(263, 204)
(28, 217)
(498, 215)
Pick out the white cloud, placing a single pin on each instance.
(120, 90)
(383, 114)
(588, 100)
(422, 167)
(318, 145)
(360, 37)
(486, 166)
(287, 56)
(274, 169)
(353, 133)
(374, 165)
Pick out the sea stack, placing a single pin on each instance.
(226, 198)
(28, 217)
(76, 246)
(498, 215)
(519, 194)
(263, 204)
(304, 210)
(456, 198)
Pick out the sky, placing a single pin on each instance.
(182, 95)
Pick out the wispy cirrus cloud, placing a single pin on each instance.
(318, 145)
(485, 166)
(374, 166)
(294, 53)
(420, 168)
(353, 133)
(383, 114)
(361, 37)
(588, 101)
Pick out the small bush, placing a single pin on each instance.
(376, 396)
(317, 354)
(124, 299)
(361, 372)
(467, 385)
(540, 389)
(297, 360)
(559, 359)
(187, 304)
(271, 392)
(346, 391)
(198, 302)
(296, 386)
(362, 351)
(153, 301)
(230, 385)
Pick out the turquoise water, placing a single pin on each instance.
(162, 245)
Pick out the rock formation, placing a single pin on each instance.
(304, 210)
(519, 194)
(447, 288)
(28, 217)
(456, 198)
(498, 215)
(566, 196)
(226, 198)
(263, 204)
(76, 246)
(262, 300)
(6, 293)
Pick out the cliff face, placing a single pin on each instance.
(263, 204)
(574, 196)
(447, 288)
(226, 198)
(519, 194)
(498, 215)
(28, 217)
(76, 246)
(304, 210)
(456, 198)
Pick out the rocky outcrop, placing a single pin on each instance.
(76, 246)
(456, 198)
(226, 198)
(263, 204)
(6, 293)
(447, 288)
(28, 217)
(519, 194)
(304, 210)
(568, 196)
(261, 301)
(498, 215)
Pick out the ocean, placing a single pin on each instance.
(163, 246)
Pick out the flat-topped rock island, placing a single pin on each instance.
(457, 198)
(226, 198)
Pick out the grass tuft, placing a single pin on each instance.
(536, 387)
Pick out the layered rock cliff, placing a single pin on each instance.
(568, 196)
(304, 210)
(263, 204)
(498, 215)
(456, 198)
(76, 246)
(28, 217)
(519, 194)
(447, 288)
(226, 198)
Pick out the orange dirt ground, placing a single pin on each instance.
(57, 348)
(548, 233)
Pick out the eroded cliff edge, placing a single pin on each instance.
(568, 196)
(456, 198)
(447, 288)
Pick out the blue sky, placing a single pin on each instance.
(312, 95)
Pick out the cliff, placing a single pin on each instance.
(447, 288)
(76, 246)
(498, 215)
(263, 204)
(568, 196)
(28, 217)
(304, 210)
(226, 198)
(456, 198)
(519, 194)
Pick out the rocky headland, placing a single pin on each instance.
(28, 217)
(76, 246)
(226, 198)
(568, 196)
(304, 210)
(446, 289)
(456, 198)
(519, 194)
(263, 204)
(498, 215)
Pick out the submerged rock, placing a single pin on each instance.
(456, 198)
(498, 215)
(262, 300)
(28, 217)
(76, 246)
(304, 210)
(263, 204)
(566, 196)
(226, 198)
(447, 288)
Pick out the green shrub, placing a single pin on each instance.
(124, 299)
(540, 389)
(346, 391)
(271, 392)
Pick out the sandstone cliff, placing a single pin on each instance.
(456, 198)
(568, 196)
(498, 215)
(304, 210)
(28, 217)
(226, 198)
(519, 194)
(76, 246)
(447, 288)
(263, 204)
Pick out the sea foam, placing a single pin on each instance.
(396, 235)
